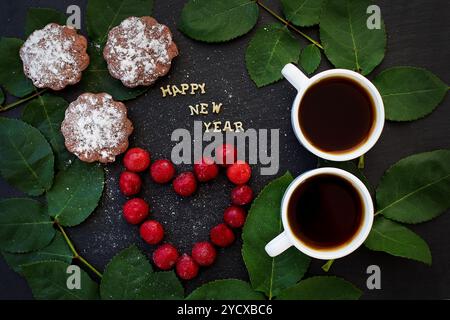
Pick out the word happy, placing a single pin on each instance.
(183, 89)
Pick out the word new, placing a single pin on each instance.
(183, 89)
(203, 108)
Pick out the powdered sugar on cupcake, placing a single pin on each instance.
(139, 50)
(54, 56)
(96, 127)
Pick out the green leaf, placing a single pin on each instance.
(409, 93)
(129, 275)
(303, 13)
(126, 275)
(24, 226)
(310, 58)
(218, 20)
(227, 289)
(270, 275)
(417, 188)
(102, 15)
(56, 250)
(76, 193)
(348, 166)
(2, 97)
(12, 77)
(347, 41)
(322, 288)
(96, 78)
(26, 159)
(397, 240)
(48, 281)
(163, 286)
(38, 18)
(46, 114)
(271, 48)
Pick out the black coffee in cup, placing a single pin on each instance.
(325, 211)
(336, 114)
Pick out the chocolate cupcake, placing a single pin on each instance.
(96, 128)
(139, 51)
(54, 56)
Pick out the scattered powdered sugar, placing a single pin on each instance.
(95, 123)
(52, 58)
(137, 51)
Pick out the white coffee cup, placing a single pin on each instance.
(287, 238)
(302, 83)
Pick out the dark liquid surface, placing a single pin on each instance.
(336, 114)
(325, 211)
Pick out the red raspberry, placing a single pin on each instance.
(204, 253)
(185, 184)
(165, 256)
(221, 235)
(241, 195)
(151, 231)
(162, 171)
(239, 172)
(226, 154)
(135, 210)
(136, 160)
(130, 183)
(234, 216)
(206, 169)
(187, 268)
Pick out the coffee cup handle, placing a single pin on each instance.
(278, 245)
(294, 76)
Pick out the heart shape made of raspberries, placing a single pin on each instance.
(136, 210)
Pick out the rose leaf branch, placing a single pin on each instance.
(288, 24)
(76, 255)
(19, 102)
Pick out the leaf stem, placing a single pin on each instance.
(74, 251)
(326, 267)
(67, 239)
(18, 102)
(90, 266)
(288, 24)
(361, 162)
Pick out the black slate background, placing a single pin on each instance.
(417, 36)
